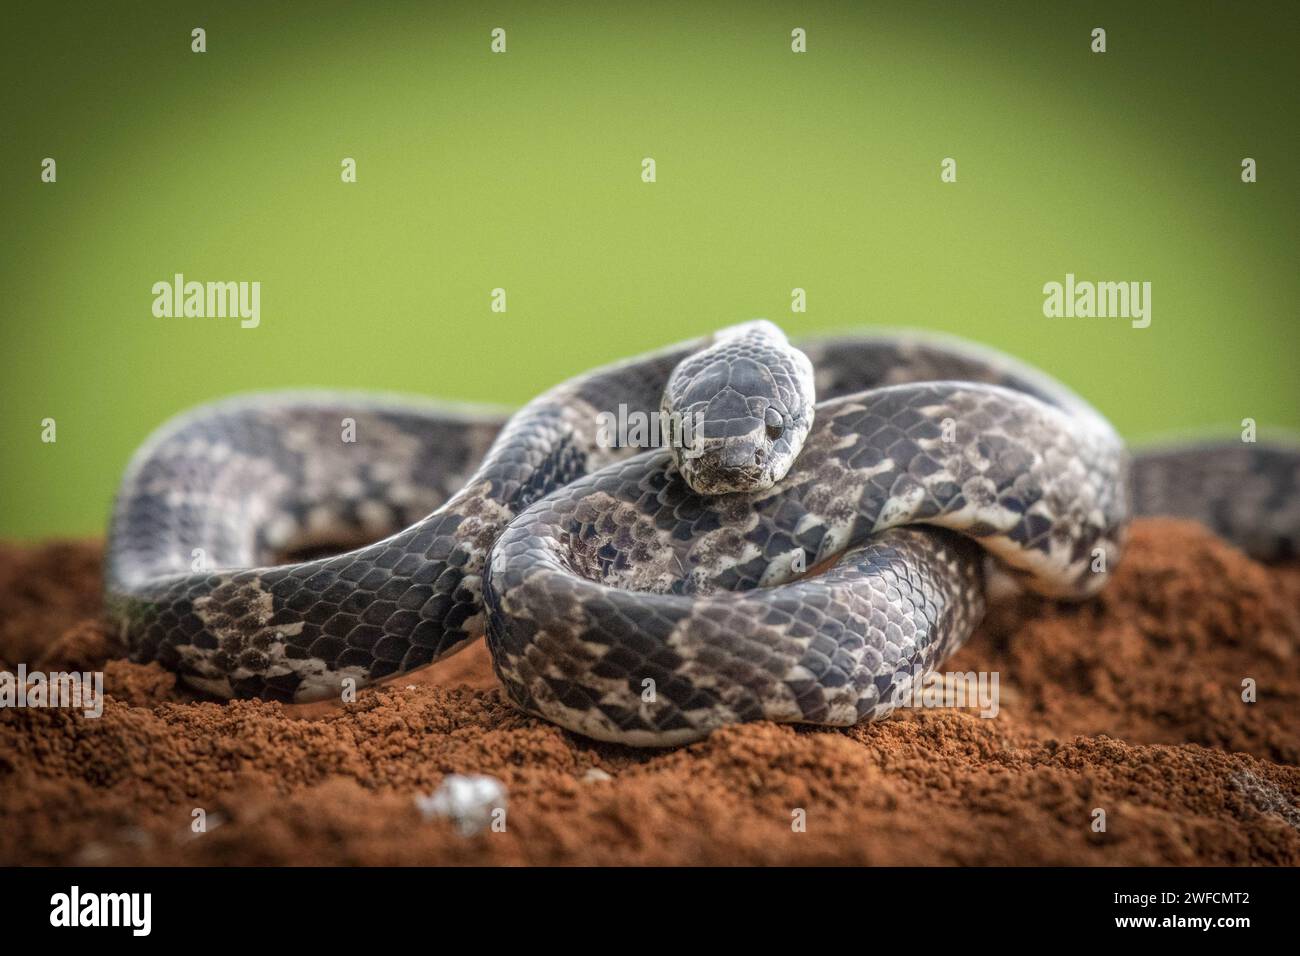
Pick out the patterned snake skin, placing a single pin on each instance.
(619, 602)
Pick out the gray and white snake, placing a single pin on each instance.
(796, 563)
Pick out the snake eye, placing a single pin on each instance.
(775, 426)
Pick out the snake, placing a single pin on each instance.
(730, 529)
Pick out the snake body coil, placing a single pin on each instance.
(598, 573)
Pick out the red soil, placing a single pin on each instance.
(1131, 703)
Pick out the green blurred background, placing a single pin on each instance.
(522, 171)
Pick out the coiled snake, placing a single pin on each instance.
(791, 562)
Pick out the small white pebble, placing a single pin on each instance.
(596, 774)
(467, 801)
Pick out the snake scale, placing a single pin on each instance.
(824, 537)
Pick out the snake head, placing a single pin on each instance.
(741, 408)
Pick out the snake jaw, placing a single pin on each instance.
(744, 464)
(728, 466)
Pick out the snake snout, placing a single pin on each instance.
(729, 467)
(743, 458)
